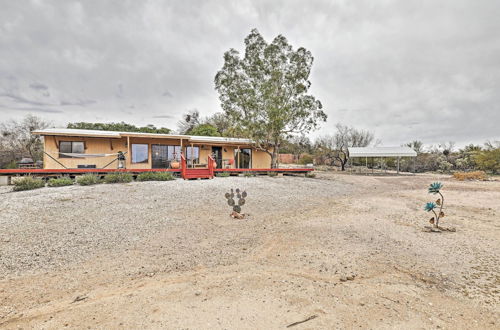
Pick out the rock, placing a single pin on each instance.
(343, 278)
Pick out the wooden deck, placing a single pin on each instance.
(79, 171)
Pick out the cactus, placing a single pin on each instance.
(240, 195)
(437, 206)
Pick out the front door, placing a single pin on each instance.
(243, 158)
(217, 154)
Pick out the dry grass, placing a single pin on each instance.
(476, 175)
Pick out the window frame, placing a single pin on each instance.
(188, 155)
(60, 155)
(146, 161)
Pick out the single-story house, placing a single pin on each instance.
(77, 148)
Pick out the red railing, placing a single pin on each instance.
(211, 162)
(183, 166)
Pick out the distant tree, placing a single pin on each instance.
(204, 130)
(297, 145)
(336, 147)
(17, 140)
(265, 92)
(222, 123)
(120, 127)
(416, 145)
(189, 120)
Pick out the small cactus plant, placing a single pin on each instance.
(437, 206)
(240, 195)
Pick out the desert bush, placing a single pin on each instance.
(118, 177)
(155, 176)
(476, 175)
(272, 173)
(88, 179)
(306, 159)
(222, 174)
(248, 174)
(310, 175)
(488, 160)
(60, 182)
(28, 183)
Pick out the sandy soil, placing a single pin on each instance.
(347, 249)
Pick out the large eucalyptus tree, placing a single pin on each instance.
(265, 92)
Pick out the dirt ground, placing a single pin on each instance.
(346, 249)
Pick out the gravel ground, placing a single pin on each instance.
(50, 228)
(347, 249)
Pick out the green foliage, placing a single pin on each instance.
(155, 176)
(272, 174)
(60, 182)
(222, 174)
(118, 177)
(88, 179)
(248, 174)
(265, 92)
(204, 130)
(121, 127)
(10, 165)
(310, 175)
(488, 160)
(306, 159)
(28, 183)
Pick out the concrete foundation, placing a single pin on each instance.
(4, 180)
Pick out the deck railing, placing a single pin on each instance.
(211, 162)
(183, 166)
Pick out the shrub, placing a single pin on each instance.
(306, 159)
(248, 174)
(118, 177)
(88, 179)
(272, 173)
(310, 175)
(60, 182)
(476, 175)
(489, 160)
(222, 174)
(28, 183)
(155, 176)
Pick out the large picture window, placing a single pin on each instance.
(140, 153)
(70, 147)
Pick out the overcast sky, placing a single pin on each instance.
(427, 70)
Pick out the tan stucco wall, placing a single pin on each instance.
(260, 159)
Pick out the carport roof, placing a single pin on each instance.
(382, 152)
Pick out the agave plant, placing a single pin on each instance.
(437, 206)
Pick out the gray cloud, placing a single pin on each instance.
(38, 86)
(405, 69)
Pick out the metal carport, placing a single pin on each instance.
(381, 152)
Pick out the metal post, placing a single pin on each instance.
(398, 163)
(366, 164)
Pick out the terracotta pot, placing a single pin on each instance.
(175, 165)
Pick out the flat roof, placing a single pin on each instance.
(118, 135)
(382, 152)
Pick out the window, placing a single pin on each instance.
(140, 153)
(71, 147)
(193, 155)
